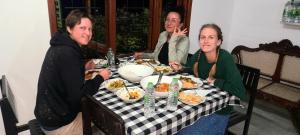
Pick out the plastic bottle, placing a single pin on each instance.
(149, 101)
(110, 58)
(286, 12)
(173, 95)
(296, 12)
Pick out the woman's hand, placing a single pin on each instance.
(176, 66)
(89, 65)
(105, 73)
(178, 32)
(138, 55)
(211, 80)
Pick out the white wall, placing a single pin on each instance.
(25, 35)
(210, 11)
(258, 21)
(243, 22)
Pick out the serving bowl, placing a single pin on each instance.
(135, 73)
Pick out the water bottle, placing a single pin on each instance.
(173, 95)
(296, 12)
(287, 15)
(110, 58)
(149, 101)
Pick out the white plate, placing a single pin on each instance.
(197, 80)
(99, 63)
(123, 94)
(166, 70)
(144, 62)
(165, 79)
(90, 74)
(107, 84)
(200, 93)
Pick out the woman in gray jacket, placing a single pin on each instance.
(173, 44)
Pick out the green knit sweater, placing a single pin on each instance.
(227, 75)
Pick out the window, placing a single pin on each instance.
(123, 25)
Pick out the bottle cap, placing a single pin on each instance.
(150, 84)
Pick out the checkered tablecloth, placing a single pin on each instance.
(164, 122)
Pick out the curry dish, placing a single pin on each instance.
(116, 84)
(162, 87)
(134, 93)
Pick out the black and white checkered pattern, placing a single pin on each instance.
(164, 122)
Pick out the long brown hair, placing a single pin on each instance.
(213, 69)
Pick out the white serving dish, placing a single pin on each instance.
(135, 73)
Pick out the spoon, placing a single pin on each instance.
(130, 97)
(158, 80)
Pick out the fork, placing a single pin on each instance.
(148, 63)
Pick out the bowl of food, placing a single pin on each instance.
(114, 85)
(135, 73)
(162, 89)
(136, 94)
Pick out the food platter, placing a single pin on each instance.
(164, 69)
(147, 61)
(190, 82)
(166, 80)
(193, 97)
(136, 92)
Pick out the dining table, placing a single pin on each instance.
(163, 122)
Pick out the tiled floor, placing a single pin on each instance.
(268, 119)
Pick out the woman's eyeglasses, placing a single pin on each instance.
(172, 21)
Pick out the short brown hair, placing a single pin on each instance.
(74, 17)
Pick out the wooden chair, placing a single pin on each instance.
(8, 113)
(250, 77)
(102, 117)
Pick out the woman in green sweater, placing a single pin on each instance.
(218, 68)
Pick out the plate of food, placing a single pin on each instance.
(147, 61)
(163, 69)
(90, 74)
(136, 94)
(99, 63)
(162, 88)
(190, 82)
(191, 97)
(114, 84)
